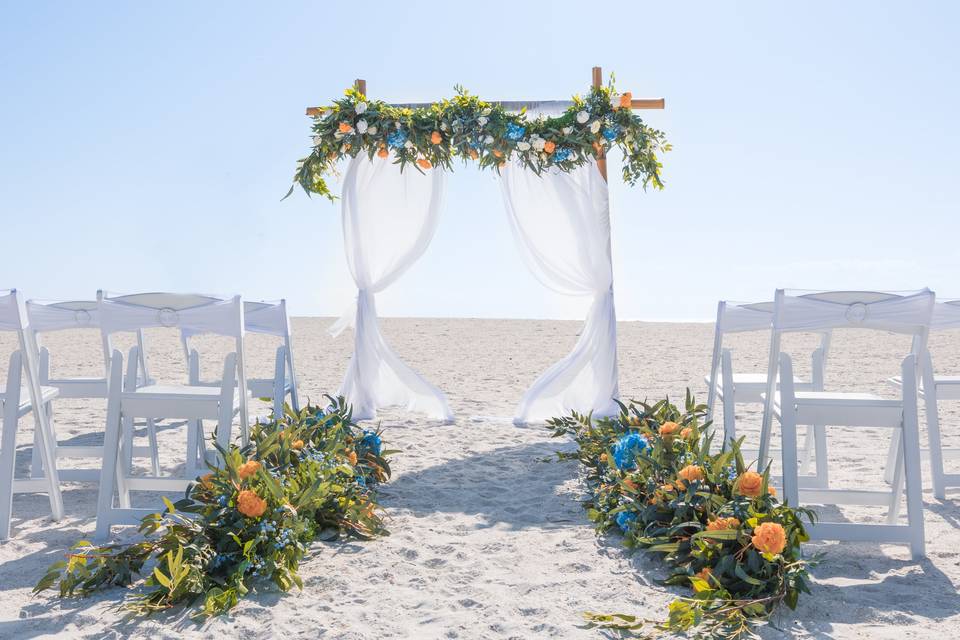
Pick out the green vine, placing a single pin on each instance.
(468, 128)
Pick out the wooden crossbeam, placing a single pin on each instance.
(515, 105)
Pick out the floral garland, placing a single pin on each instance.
(303, 477)
(719, 526)
(470, 129)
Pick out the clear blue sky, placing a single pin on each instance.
(147, 146)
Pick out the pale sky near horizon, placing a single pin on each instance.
(146, 146)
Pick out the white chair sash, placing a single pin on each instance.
(194, 314)
(57, 316)
(745, 316)
(946, 315)
(886, 311)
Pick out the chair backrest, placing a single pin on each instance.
(13, 317)
(188, 312)
(946, 314)
(904, 312)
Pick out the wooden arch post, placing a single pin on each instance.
(597, 82)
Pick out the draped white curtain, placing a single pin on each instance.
(561, 222)
(389, 218)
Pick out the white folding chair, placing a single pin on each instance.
(269, 318)
(191, 312)
(904, 313)
(46, 317)
(933, 389)
(126, 402)
(747, 388)
(13, 317)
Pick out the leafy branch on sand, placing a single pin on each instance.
(717, 524)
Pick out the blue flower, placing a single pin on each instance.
(627, 449)
(561, 154)
(611, 132)
(361, 481)
(222, 501)
(515, 131)
(396, 139)
(372, 442)
(625, 519)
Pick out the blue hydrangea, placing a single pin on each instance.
(625, 519)
(396, 139)
(627, 449)
(611, 132)
(515, 131)
(561, 154)
(222, 501)
(372, 441)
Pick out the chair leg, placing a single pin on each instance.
(729, 398)
(911, 459)
(806, 454)
(933, 428)
(820, 445)
(190, 468)
(111, 451)
(788, 433)
(8, 450)
(896, 485)
(36, 460)
(154, 449)
(892, 453)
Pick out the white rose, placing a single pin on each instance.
(443, 126)
(523, 146)
(482, 121)
(488, 140)
(361, 126)
(486, 112)
(337, 135)
(582, 117)
(361, 107)
(595, 126)
(317, 140)
(408, 145)
(567, 130)
(372, 131)
(538, 143)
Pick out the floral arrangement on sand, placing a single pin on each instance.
(304, 477)
(718, 524)
(468, 128)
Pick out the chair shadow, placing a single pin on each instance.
(512, 486)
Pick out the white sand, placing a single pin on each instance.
(488, 538)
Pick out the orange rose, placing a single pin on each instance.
(250, 504)
(436, 138)
(720, 524)
(345, 128)
(690, 473)
(686, 432)
(473, 154)
(749, 484)
(603, 457)
(424, 163)
(625, 100)
(383, 153)
(352, 458)
(668, 429)
(297, 445)
(549, 146)
(770, 538)
(247, 469)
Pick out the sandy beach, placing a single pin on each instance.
(488, 539)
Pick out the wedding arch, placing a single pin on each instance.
(551, 158)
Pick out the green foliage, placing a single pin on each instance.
(304, 476)
(700, 511)
(468, 128)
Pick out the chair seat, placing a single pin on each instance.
(851, 409)
(749, 387)
(176, 401)
(948, 387)
(46, 395)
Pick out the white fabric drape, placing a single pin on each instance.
(561, 222)
(389, 218)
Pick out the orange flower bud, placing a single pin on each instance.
(424, 163)
(498, 153)
(690, 473)
(436, 138)
(247, 469)
(769, 537)
(704, 574)
(721, 524)
(625, 100)
(473, 154)
(250, 504)
(630, 484)
(383, 153)
(345, 128)
(549, 146)
(297, 445)
(352, 458)
(668, 429)
(686, 432)
(749, 484)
